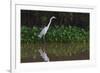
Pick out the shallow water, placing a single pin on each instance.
(55, 51)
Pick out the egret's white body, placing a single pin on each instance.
(44, 56)
(43, 32)
(45, 29)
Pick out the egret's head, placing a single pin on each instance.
(53, 17)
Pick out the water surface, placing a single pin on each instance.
(55, 51)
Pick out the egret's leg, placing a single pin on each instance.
(44, 39)
(40, 42)
(44, 43)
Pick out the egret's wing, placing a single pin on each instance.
(42, 33)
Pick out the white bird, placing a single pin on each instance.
(43, 55)
(45, 29)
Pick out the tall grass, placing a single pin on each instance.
(55, 34)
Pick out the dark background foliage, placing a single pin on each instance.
(32, 18)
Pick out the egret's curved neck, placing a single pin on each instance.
(49, 22)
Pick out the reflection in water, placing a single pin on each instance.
(44, 56)
(55, 51)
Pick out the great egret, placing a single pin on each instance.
(45, 29)
(43, 55)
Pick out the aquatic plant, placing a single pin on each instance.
(55, 34)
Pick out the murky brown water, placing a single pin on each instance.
(55, 51)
